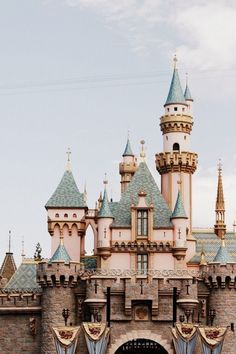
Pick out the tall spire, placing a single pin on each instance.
(220, 227)
(175, 94)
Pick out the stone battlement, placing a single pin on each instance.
(176, 161)
(216, 275)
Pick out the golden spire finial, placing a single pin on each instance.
(175, 61)
(68, 166)
(142, 153)
(220, 227)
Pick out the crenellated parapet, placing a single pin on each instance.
(176, 161)
(172, 123)
(219, 275)
(58, 274)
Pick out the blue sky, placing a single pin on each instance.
(81, 73)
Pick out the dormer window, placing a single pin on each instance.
(142, 222)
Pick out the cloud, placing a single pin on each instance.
(202, 32)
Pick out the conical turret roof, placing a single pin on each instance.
(67, 194)
(105, 211)
(187, 94)
(223, 255)
(179, 211)
(128, 151)
(61, 254)
(175, 94)
(8, 267)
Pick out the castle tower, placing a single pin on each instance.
(177, 163)
(66, 215)
(105, 219)
(128, 167)
(220, 227)
(57, 278)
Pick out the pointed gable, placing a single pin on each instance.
(67, 194)
(8, 267)
(142, 181)
(175, 94)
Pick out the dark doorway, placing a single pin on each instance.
(141, 346)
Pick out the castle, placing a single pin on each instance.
(149, 267)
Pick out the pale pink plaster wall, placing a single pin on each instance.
(61, 212)
(179, 224)
(163, 261)
(120, 235)
(176, 138)
(120, 261)
(158, 235)
(55, 239)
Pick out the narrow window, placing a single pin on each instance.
(74, 215)
(65, 215)
(142, 263)
(175, 108)
(142, 223)
(176, 147)
(56, 215)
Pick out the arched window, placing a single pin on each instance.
(65, 215)
(56, 215)
(74, 215)
(175, 147)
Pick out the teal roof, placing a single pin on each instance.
(179, 211)
(142, 181)
(23, 279)
(105, 211)
(210, 244)
(67, 194)
(175, 94)
(128, 151)
(61, 254)
(223, 256)
(187, 93)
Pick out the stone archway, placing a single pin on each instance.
(145, 334)
(141, 346)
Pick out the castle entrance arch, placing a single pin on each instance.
(141, 346)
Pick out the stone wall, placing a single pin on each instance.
(15, 334)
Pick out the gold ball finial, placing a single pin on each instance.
(142, 153)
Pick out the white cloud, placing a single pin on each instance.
(202, 32)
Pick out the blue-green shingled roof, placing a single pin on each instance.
(187, 93)
(128, 151)
(210, 244)
(175, 94)
(223, 255)
(142, 181)
(61, 254)
(105, 211)
(179, 211)
(23, 279)
(67, 194)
